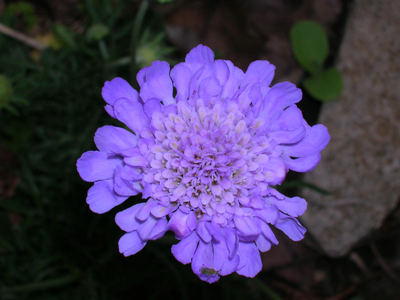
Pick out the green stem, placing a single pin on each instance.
(40, 285)
(266, 289)
(300, 183)
(137, 24)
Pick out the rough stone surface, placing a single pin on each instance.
(361, 165)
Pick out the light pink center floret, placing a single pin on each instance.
(207, 159)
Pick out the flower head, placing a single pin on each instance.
(205, 160)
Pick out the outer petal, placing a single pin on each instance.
(112, 139)
(231, 85)
(181, 224)
(263, 244)
(130, 243)
(268, 234)
(118, 88)
(131, 113)
(144, 212)
(152, 228)
(101, 197)
(303, 164)
(126, 181)
(231, 240)
(184, 250)
(291, 227)
(250, 260)
(203, 232)
(314, 142)
(155, 82)
(95, 165)
(199, 56)
(280, 96)
(268, 214)
(294, 207)
(259, 71)
(289, 119)
(208, 88)
(181, 75)
(126, 219)
(203, 263)
(222, 263)
(151, 106)
(247, 226)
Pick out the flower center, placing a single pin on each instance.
(207, 159)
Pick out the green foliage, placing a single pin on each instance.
(66, 35)
(97, 32)
(6, 91)
(326, 85)
(310, 47)
(24, 9)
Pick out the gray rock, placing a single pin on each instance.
(361, 165)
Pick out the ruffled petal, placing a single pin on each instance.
(269, 213)
(209, 87)
(280, 96)
(231, 240)
(182, 224)
(130, 243)
(278, 168)
(291, 227)
(266, 231)
(144, 212)
(263, 244)
(155, 82)
(198, 57)
(235, 77)
(112, 139)
(181, 75)
(118, 88)
(127, 181)
(126, 219)
(152, 228)
(315, 141)
(259, 71)
(124, 111)
(101, 197)
(222, 263)
(203, 263)
(161, 211)
(247, 226)
(184, 250)
(294, 207)
(202, 231)
(95, 165)
(303, 164)
(250, 259)
(151, 106)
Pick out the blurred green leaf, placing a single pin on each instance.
(325, 86)
(310, 45)
(97, 32)
(26, 10)
(6, 91)
(66, 35)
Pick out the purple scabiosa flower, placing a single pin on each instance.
(205, 160)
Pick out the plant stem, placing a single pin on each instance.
(22, 37)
